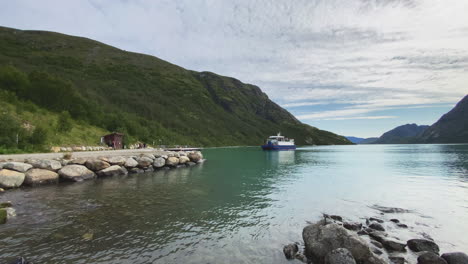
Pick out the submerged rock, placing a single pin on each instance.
(320, 239)
(290, 251)
(40, 176)
(430, 258)
(190, 164)
(17, 166)
(339, 256)
(76, 173)
(418, 245)
(11, 178)
(455, 258)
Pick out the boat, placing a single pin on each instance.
(279, 142)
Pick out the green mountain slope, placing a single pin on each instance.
(142, 96)
(404, 134)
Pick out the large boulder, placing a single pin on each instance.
(114, 170)
(117, 160)
(430, 258)
(455, 258)
(40, 176)
(195, 156)
(52, 165)
(339, 256)
(10, 178)
(183, 159)
(172, 161)
(76, 173)
(418, 245)
(17, 166)
(96, 164)
(144, 162)
(131, 163)
(159, 162)
(322, 238)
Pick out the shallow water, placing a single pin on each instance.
(241, 206)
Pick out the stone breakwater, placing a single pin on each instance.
(334, 240)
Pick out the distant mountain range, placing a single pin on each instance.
(450, 128)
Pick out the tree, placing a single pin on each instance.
(10, 128)
(64, 122)
(38, 137)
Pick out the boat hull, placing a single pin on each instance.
(278, 147)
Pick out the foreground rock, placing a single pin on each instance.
(418, 245)
(290, 251)
(35, 177)
(339, 256)
(455, 258)
(76, 173)
(322, 238)
(11, 179)
(114, 170)
(430, 258)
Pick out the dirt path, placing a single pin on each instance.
(81, 154)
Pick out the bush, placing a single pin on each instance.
(64, 122)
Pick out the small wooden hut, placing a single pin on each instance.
(114, 140)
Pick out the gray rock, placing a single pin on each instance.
(144, 162)
(35, 177)
(195, 156)
(377, 244)
(131, 163)
(339, 256)
(418, 245)
(430, 258)
(290, 251)
(96, 164)
(11, 179)
(377, 226)
(397, 260)
(149, 169)
(455, 258)
(352, 226)
(11, 212)
(402, 225)
(76, 173)
(336, 217)
(389, 210)
(78, 161)
(159, 162)
(117, 160)
(394, 220)
(378, 220)
(321, 238)
(377, 251)
(392, 245)
(172, 161)
(299, 256)
(190, 164)
(114, 170)
(376, 235)
(52, 165)
(17, 166)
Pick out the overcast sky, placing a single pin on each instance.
(355, 67)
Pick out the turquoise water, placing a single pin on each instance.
(241, 206)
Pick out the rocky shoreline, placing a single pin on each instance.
(36, 172)
(334, 240)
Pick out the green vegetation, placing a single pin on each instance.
(73, 90)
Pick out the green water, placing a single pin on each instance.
(241, 206)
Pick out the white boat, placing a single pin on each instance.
(279, 142)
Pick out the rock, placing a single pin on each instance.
(149, 169)
(376, 243)
(352, 226)
(336, 217)
(430, 258)
(172, 161)
(455, 258)
(76, 173)
(114, 170)
(150, 156)
(131, 163)
(183, 159)
(377, 226)
(181, 166)
(135, 170)
(144, 162)
(79, 161)
(362, 232)
(299, 256)
(21, 260)
(10, 178)
(6, 204)
(397, 260)
(159, 162)
(418, 245)
(96, 164)
(17, 166)
(195, 156)
(106, 159)
(190, 164)
(321, 238)
(339, 256)
(392, 245)
(377, 251)
(402, 225)
(3, 216)
(117, 160)
(290, 251)
(52, 165)
(11, 212)
(389, 210)
(40, 176)
(376, 235)
(2, 190)
(376, 220)
(396, 221)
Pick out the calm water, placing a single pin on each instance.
(241, 206)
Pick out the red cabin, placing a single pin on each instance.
(114, 140)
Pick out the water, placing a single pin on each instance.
(241, 206)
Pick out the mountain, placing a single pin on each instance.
(451, 127)
(151, 100)
(401, 135)
(358, 140)
(355, 140)
(370, 140)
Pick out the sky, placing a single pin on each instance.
(354, 67)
